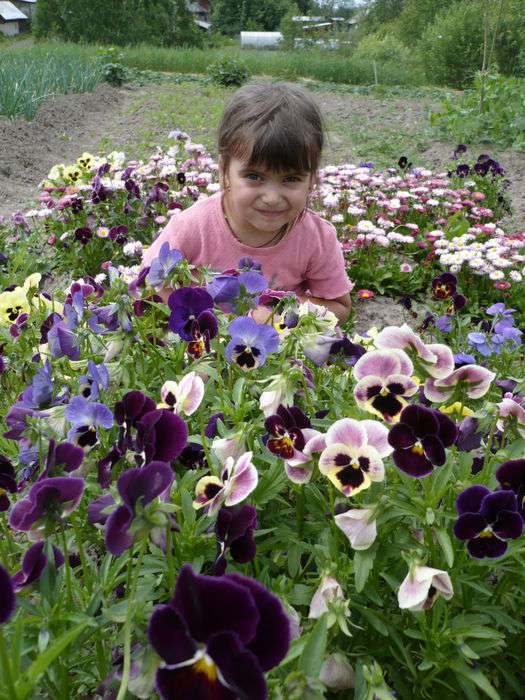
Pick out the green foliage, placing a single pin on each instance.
(509, 48)
(380, 12)
(502, 119)
(416, 16)
(228, 71)
(288, 28)
(374, 48)
(121, 22)
(233, 16)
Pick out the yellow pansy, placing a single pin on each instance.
(16, 302)
(457, 408)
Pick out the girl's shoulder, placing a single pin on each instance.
(317, 225)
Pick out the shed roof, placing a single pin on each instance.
(10, 12)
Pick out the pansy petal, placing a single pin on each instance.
(380, 363)
(469, 500)
(401, 436)
(493, 503)
(117, 535)
(243, 480)
(434, 450)
(168, 635)
(377, 436)
(192, 682)
(403, 337)
(469, 525)
(238, 666)
(346, 431)
(7, 596)
(444, 363)
(435, 393)
(511, 474)
(412, 462)
(509, 525)
(491, 547)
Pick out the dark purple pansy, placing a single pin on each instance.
(234, 529)
(350, 352)
(217, 637)
(284, 430)
(419, 440)
(444, 285)
(511, 475)
(65, 455)
(211, 428)
(468, 437)
(34, 562)
(7, 482)
(48, 500)
(161, 435)
(128, 413)
(7, 596)
(487, 520)
(189, 304)
(137, 487)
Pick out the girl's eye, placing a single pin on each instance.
(253, 177)
(293, 178)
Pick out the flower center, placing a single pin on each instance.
(417, 449)
(205, 665)
(487, 532)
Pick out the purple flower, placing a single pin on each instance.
(463, 358)
(137, 488)
(97, 378)
(459, 150)
(40, 393)
(468, 438)
(162, 265)
(128, 413)
(499, 309)
(217, 637)
(246, 263)
(285, 431)
(463, 170)
(444, 285)
(7, 482)
(444, 324)
(511, 475)
(62, 341)
(486, 520)
(86, 417)
(419, 440)
(211, 428)
(350, 352)
(234, 529)
(34, 562)
(7, 597)
(190, 304)
(250, 343)
(49, 499)
(161, 435)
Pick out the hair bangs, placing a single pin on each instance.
(282, 149)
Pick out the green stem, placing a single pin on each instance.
(82, 554)
(6, 665)
(299, 512)
(129, 617)
(67, 568)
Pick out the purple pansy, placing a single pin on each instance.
(33, 564)
(511, 475)
(284, 428)
(217, 637)
(162, 265)
(65, 455)
(443, 323)
(190, 304)
(487, 520)
(234, 530)
(444, 285)
(48, 500)
(62, 341)
(250, 343)
(85, 417)
(7, 597)
(420, 438)
(96, 379)
(226, 288)
(7, 482)
(161, 435)
(137, 488)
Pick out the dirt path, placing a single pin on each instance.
(360, 127)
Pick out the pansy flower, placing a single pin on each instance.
(422, 586)
(384, 383)
(284, 428)
(435, 359)
(7, 482)
(49, 500)
(487, 520)
(202, 332)
(234, 530)
(33, 564)
(86, 417)
(190, 304)
(161, 435)
(474, 379)
(62, 341)
(217, 637)
(419, 440)
(166, 261)
(444, 286)
(511, 411)
(352, 458)
(96, 379)
(359, 525)
(511, 475)
(237, 481)
(7, 597)
(184, 396)
(250, 343)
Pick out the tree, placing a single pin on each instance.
(233, 16)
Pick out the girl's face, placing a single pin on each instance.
(262, 201)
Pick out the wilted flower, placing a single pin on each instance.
(217, 637)
(250, 343)
(33, 564)
(359, 525)
(237, 481)
(49, 500)
(422, 586)
(336, 673)
(353, 455)
(419, 440)
(384, 383)
(487, 520)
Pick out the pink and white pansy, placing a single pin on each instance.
(510, 408)
(384, 383)
(436, 359)
(353, 456)
(184, 396)
(237, 481)
(421, 586)
(473, 379)
(300, 467)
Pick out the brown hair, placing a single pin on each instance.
(274, 125)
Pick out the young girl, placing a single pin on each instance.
(270, 143)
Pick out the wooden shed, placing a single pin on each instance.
(28, 7)
(11, 18)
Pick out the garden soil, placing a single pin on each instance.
(67, 125)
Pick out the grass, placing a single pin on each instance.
(29, 75)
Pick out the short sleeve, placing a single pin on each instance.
(326, 275)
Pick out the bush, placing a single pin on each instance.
(228, 71)
(509, 48)
(375, 48)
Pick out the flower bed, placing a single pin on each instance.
(229, 496)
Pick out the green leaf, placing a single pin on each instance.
(363, 564)
(446, 545)
(312, 657)
(475, 676)
(28, 681)
(188, 510)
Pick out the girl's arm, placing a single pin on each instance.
(340, 306)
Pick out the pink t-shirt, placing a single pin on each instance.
(309, 257)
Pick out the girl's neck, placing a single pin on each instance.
(254, 239)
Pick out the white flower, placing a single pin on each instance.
(329, 590)
(422, 586)
(357, 526)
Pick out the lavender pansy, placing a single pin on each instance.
(166, 261)
(62, 341)
(250, 343)
(217, 637)
(85, 418)
(96, 379)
